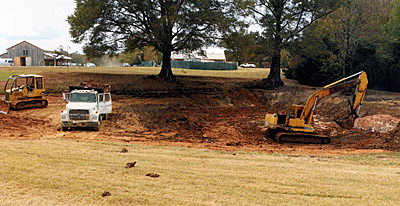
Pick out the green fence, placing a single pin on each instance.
(147, 64)
(204, 65)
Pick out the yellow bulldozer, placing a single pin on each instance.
(22, 92)
(296, 124)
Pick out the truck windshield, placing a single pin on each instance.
(82, 97)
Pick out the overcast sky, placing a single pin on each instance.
(40, 22)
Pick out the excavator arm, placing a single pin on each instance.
(361, 86)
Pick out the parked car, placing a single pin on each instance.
(126, 65)
(248, 65)
(90, 65)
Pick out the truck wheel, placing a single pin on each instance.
(97, 128)
(64, 128)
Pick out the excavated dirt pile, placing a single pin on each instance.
(381, 123)
(210, 113)
(392, 141)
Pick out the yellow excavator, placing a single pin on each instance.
(296, 124)
(22, 92)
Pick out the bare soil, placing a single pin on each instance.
(209, 113)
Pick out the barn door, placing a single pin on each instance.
(28, 61)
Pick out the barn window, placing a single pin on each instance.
(24, 52)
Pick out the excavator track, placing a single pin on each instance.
(27, 104)
(302, 138)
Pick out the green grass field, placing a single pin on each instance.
(254, 73)
(51, 171)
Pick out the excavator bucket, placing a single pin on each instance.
(346, 123)
(4, 107)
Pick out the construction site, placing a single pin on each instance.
(209, 113)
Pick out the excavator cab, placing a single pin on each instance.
(290, 120)
(23, 91)
(293, 121)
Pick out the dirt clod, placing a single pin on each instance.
(130, 165)
(105, 194)
(124, 150)
(239, 143)
(153, 175)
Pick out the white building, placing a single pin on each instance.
(212, 54)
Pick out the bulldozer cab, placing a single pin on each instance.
(18, 86)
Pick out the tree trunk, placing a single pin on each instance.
(166, 71)
(274, 77)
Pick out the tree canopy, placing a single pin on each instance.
(283, 21)
(360, 35)
(109, 26)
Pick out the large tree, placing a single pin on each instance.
(109, 26)
(241, 46)
(283, 21)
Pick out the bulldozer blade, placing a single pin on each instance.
(346, 123)
(4, 107)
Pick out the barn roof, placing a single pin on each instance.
(57, 56)
(22, 43)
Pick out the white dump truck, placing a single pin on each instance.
(87, 107)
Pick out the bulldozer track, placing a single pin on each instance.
(27, 104)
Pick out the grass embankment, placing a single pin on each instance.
(253, 73)
(68, 172)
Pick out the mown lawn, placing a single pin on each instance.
(254, 73)
(54, 171)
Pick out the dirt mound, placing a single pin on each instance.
(392, 140)
(221, 131)
(381, 123)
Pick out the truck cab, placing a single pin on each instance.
(86, 107)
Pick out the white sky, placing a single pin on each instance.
(40, 22)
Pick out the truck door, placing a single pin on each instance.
(105, 103)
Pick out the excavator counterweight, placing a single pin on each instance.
(296, 125)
